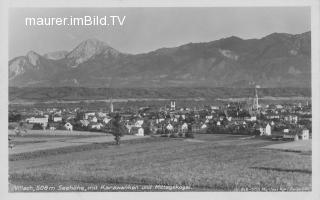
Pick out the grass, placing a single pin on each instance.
(219, 162)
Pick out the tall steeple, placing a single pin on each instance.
(256, 98)
(111, 105)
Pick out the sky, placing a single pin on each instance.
(148, 29)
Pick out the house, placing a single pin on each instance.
(203, 126)
(97, 126)
(286, 130)
(84, 123)
(214, 108)
(106, 120)
(184, 127)
(68, 126)
(57, 118)
(37, 120)
(169, 127)
(53, 126)
(288, 136)
(138, 123)
(101, 114)
(159, 120)
(129, 127)
(88, 114)
(94, 119)
(253, 118)
(268, 130)
(305, 134)
(140, 132)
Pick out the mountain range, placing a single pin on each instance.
(276, 60)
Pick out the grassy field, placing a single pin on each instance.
(55, 133)
(208, 162)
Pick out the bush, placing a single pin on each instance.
(37, 127)
(147, 131)
(159, 132)
(189, 135)
(174, 135)
(180, 134)
(12, 126)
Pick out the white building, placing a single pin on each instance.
(37, 120)
(203, 126)
(140, 132)
(169, 127)
(94, 119)
(97, 126)
(68, 126)
(106, 120)
(286, 130)
(253, 118)
(184, 127)
(57, 119)
(88, 114)
(268, 129)
(138, 123)
(172, 105)
(305, 134)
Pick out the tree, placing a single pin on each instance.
(116, 128)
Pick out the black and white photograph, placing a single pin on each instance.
(160, 99)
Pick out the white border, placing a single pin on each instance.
(5, 4)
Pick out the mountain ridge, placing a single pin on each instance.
(276, 60)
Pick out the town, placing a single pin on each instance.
(285, 121)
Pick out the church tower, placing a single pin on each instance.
(111, 105)
(172, 105)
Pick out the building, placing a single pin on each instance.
(97, 126)
(172, 105)
(256, 99)
(57, 119)
(68, 126)
(88, 114)
(203, 126)
(184, 127)
(111, 106)
(94, 119)
(305, 135)
(138, 123)
(169, 127)
(37, 120)
(140, 132)
(268, 129)
(106, 120)
(137, 131)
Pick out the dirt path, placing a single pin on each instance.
(54, 144)
(300, 145)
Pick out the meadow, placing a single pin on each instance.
(207, 162)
